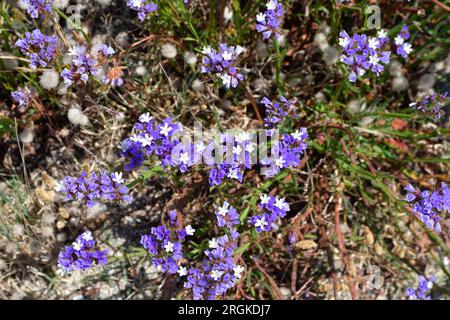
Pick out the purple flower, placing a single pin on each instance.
(96, 187)
(143, 7)
(39, 48)
(81, 255)
(431, 105)
(38, 7)
(273, 208)
(22, 96)
(277, 111)
(427, 205)
(227, 216)
(403, 48)
(422, 291)
(223, 64)
(361, 54)
(269, 22)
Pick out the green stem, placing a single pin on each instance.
(278, 66)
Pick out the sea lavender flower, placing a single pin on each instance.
(403, 48)
(218, 272)
(277, 111)
(38, 7)
(39, 48)
(165, 245)
(432, 104)
(151, 138)
(96, 187)
(273, 208)
(422, 291)
(143, 7)
(85, 64)
(223, 64)
(81, 255)
(362, 53)
(428, 205)
(269, 22)
(22, 96)
(227, 216)
(286, 153)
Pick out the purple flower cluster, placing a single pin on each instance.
(431, 104)
(362, 53)
(273, 208)
(427, 205)
(422, 291)
(39, 48)
(81, 255)
(165, 245)
(143, 7)
(286, 153)
(151, 138)
(38, 7)
(223, 63)
(403, 48)
(85, 64)
(277, 111)
(22, 96)
(90, 189)
(269, 22)
(227, 216)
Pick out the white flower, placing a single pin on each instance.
(237, 150)
(227, 55)
(145, 118)
(165, 129)
(297, 135)
(233, 174)
(169, 51)
(238, 270)
(382, 33)
(399, 40)
(374, 60)
(200, 147)
(117, 177)
(264, 198)
(261, 17)
(168, 246)
(226, 79)
(407, 47)
(77, 245)
(343, 42)
(207, 50)
(374, 43)
(189, 230)
(182, 271)
(227, 14)
(260, 223)
(223, 210)
(279, 162)
(271, 5)
(239, 50)
(242, 136)
(281, 204)
(213, 243)
(146, 140)
(412, 104)
(250, 147)
(216, 274)
(184, 157)
(87, 236)
(135, 138)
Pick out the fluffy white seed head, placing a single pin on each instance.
(197, 85)
(169, 51)
(60, 4)
(122, 39)
(227, 14)
(49, 79)
(27, 135)
(400, 83)
(140, 70)
(190, 58)
(77, 117)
